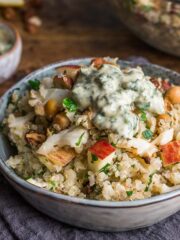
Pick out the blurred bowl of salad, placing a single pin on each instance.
(10, 50)
(157, 22)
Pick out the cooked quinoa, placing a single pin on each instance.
(99, 132)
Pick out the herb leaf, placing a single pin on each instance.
(94, 158)
(147, 134)
(34, 84)
(70, 104)
(143, 117)
(113, 144)
(52, 185)
(129, 193)
(147, 8)
(149, 182)
(105, 169)
(143, 106)
(80, 139)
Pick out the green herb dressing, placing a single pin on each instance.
(113, 94)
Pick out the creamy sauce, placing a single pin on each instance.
(113, 95)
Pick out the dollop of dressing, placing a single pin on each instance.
(113, 94)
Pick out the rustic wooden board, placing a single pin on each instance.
(80, 28)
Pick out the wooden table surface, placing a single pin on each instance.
(73, 29)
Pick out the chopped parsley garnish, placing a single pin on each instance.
(149, 182)
(53, 185)
(70, 104)
(144, 106)
(143, 116)
(105, 169)
(34, 84)
(147, 8)
(80, 139)
(113, 144)
(147, 134)
(94, 158)
(129, 193)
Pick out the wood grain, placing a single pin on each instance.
(80, 28)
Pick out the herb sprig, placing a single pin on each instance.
(129, 193)
(147, 134)
(105, 169)
(147, 8)
(70, 104)
(143, 116)
(80, 139)
(149, 182)
(34, 84)
(94, 158)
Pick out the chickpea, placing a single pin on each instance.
(61, 120)
(173, 95)
(51, 108)
(164, 116)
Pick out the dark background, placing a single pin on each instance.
(80, 28)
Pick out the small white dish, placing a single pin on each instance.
(10, 59)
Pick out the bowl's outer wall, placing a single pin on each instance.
(101, 217)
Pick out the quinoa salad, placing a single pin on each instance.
(97, 131)
(158, 11)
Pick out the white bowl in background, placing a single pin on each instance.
(9, 60)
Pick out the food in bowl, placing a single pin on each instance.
(157, 11)
(97, 131)
(157, 22)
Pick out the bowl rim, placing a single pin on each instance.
(17, 38)
(13, 177)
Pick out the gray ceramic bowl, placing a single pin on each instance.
(90, 214)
